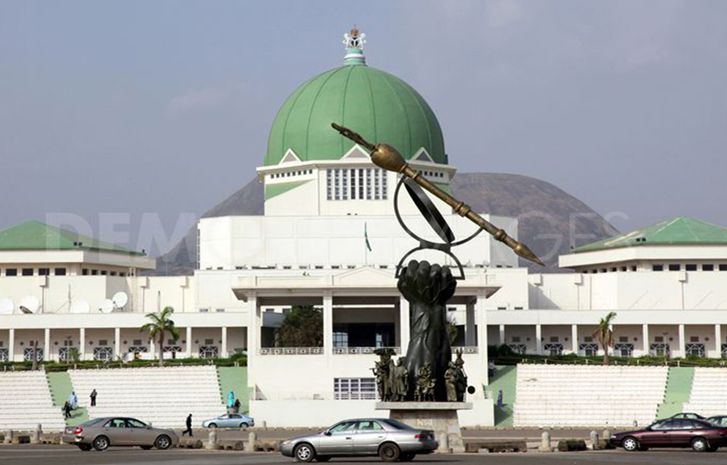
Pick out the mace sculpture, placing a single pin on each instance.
(428, 369)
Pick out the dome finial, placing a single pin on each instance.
(354, 42)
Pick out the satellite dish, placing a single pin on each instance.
(107, 306)
(6, 306)
(80, 306)
(120, 299)
(29, 304)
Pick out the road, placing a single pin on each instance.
(68, 455)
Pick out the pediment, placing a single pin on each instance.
(356, 152)
(290, 157)
(423, 155)
(365, 277)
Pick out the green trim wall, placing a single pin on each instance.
(60, 388)
(272, 190)
(678, 391)
(505, 379)
(234, 379)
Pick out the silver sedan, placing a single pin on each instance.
(101, 433)
(231, 420)
(391, 440)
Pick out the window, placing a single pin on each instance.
(633, 267)
(675, 267)
(354, 388)
(345, 427)
(208, 352)
(84, 272)
(27, 272)
(553, 338)
(553, 349)
(657, 268)
(115, 423)
(515, 339)
(131, 423)
(43, 271)
(94, 272)
(690, 267)
(589, 349)
(103, 342)
(368, 426)
(60, 271)
(722, 267)
(104, 272)
(340, 339)
(623, 349)
(28, 354)
(220, 310)
(623, 268)
(518, 348)
(103, 354)
(11, 272)
(696, 350)
(707, 267)
(204, 310)
(356, 184)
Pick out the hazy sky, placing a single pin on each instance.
(131, 113)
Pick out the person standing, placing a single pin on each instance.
(230, 401)
(189, 426)
(93, 398)
(73, 400)
(500, 402)
(237, 405)
(67, 410)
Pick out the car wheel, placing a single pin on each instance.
(163, 442)
(212, 425)
(322, 459)
(101, 443)
(304, 453)
(407, 457)
(389, 452)
(243, 425)
(145, 447)
(630, 444)
(85, 447)
(700, 445)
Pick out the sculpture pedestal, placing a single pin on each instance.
(440, 417)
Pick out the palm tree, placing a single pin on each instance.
(604, 335)
(160, 325)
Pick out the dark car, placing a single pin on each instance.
(719, 420)
(689, 416)
(390, 439)
(674, 432)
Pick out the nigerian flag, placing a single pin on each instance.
(366, 236)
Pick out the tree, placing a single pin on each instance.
(302, 327)
(161, 324)
(604, 335)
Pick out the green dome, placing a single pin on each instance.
(376, 104)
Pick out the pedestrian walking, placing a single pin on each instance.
(237, 405)
(499, 399)
(93, 398)
(67, 410)
(491, 369)
(189, 426)
(231, 399)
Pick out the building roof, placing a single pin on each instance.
(681, 230)
(35, 235)
(376, 104)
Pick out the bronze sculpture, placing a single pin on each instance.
(400, 381)
(383, 371)
(431, 373)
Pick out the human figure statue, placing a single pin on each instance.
(424, 391)
(383, 371)
(461, 377)
(428, 288)
(400, 381)
(450, 381)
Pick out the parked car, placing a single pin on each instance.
(719, 420)
(674, 432)
(689, 416)
(229, 420)
(102, 433)
(391, 440)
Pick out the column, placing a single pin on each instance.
(81, 344)
(404, 324)
(470, 339)
(502, 335)
(117, 343)
(11, 344)
(328, 326)
(682, 342)
(46, 346)
(538, 339)
(189, 342)
(574, 338)
(224, 353)
(152, 347)
(645, 337)
(481, 317)
(253, 340)
(718, 341)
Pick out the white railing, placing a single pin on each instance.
(291, 351)
(361, 350)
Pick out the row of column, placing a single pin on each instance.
(47, 355)
(646, 341)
